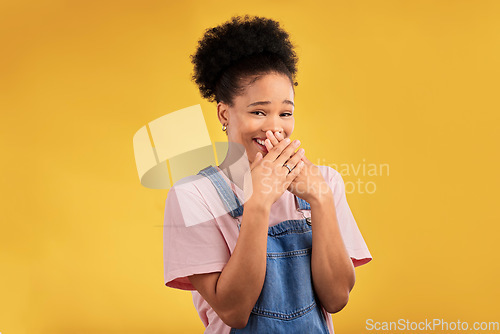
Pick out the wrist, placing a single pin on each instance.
(321, 198)
(257, 205)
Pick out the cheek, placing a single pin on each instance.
(241, 130)
(249, 127)
(290, 126)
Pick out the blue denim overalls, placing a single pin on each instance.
(287, 302)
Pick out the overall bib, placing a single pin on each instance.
(287, 302)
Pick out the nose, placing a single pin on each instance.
(273, 124)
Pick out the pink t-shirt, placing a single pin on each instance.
(200, 235)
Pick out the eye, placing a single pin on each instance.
(287, 114)
(256, 112)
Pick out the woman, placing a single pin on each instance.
(240, 235)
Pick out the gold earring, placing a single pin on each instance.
(224, 127)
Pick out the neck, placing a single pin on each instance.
(235, 164)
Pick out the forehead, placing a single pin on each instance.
(269, 87)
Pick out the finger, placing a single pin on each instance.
(288, 151)
(274, 152)
(271, 143)
(306, 161)
(296, 158)
(271, 137)
(268, 144)
(296, 171)
(279, 136)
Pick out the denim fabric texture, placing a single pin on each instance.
(287, 302)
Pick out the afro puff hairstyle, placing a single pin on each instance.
(241, 48)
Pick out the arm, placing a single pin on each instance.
(233, 292)
(332, 269)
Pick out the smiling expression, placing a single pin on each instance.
(266, 104)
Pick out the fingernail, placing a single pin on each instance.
(297, 142)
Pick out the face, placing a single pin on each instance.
(267, 104)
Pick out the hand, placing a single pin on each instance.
(269, 178)
(309, 184)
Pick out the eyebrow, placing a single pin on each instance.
(258, 103)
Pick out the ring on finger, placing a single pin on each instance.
(290, 169)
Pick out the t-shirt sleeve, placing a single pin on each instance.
(192, 240)
(353, 240)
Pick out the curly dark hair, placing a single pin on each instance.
(241, 50)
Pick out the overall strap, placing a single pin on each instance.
(303, 205)
(228, 197)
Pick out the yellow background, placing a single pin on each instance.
(412, 84)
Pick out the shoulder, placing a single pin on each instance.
(195, 185)
(195, 195)
(191, 190)
(191, 183)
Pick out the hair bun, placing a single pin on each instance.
(239, 38)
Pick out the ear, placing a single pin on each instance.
(223, 113)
